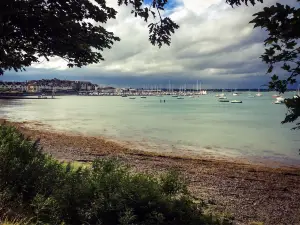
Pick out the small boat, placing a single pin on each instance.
(236, 101)
(275, 96)
(143, 97)
(250, 95)
(235, 93)
(278, 102)
(131, 97)
(222, 97)
(223, 100)
(124, 96)
(42, 96)
(258, 94)
(217, 95)
(298, 93)
(174, 96)
(180, 98)
(280, 98)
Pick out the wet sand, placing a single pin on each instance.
(249, 192)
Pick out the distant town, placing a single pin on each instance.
(57, 86)
(53, 85)
(69, 87)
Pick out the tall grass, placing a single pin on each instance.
(36, 186)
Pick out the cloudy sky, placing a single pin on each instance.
(215, 45)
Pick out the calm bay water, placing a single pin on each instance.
(191, 125)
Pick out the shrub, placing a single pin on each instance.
(34, 185)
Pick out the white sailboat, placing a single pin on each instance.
(222, 96)
(250, 95)
(235, 93)
(258, 94)
(279, 100)
(298, 93)
(158, 94)
(236, 101)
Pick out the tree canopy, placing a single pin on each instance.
(73, 30)
(282, 23)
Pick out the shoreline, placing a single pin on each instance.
(102, 146)
(247, 191)
(115, 145)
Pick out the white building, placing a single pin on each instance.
(109, 90)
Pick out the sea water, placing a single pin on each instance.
(199, 125)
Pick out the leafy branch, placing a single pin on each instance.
(159, 32)
(282, 49)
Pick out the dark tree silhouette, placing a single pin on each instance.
(282, 23)
(70, 29)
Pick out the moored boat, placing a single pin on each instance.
(298, 93)
(236, 101)
(258, 94)
(278, 102)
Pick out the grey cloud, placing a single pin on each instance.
(218, 39)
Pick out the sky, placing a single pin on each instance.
(215, 45)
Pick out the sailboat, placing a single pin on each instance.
(236, 101)
(235, 93)
(158, 94)
(222, 96)
(181, 92)
(279, 100)
(258, 94)
(250, 95)
(298, 94)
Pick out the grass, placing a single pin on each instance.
(36, 186)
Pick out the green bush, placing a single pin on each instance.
(34, 185)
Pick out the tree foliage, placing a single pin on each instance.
(282, 23)
(69, 29)
(72, 30)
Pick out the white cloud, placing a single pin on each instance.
(213, 38)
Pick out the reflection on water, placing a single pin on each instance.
(199, 125)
